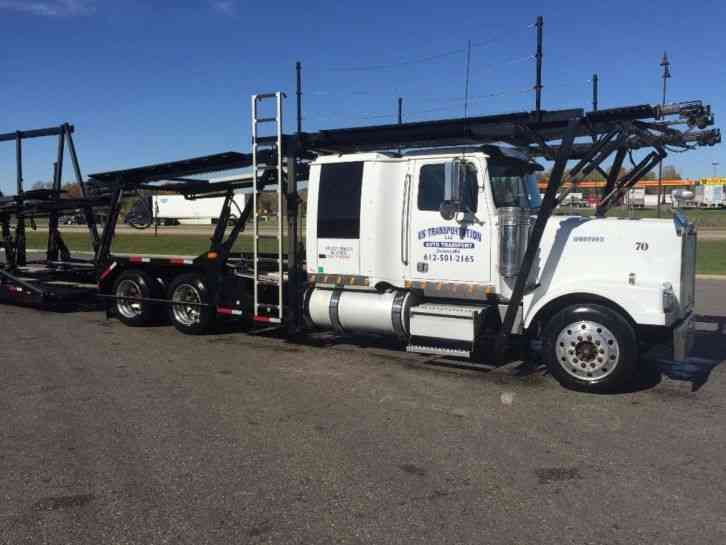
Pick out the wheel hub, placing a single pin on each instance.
(127, 291)
(587, 350)
(186, 307)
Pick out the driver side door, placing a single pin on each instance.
(453, 250)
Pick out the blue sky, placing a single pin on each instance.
(161, 80)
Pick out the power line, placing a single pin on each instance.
(418, 60)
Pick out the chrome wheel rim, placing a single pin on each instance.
(587, 350)
(126, 291)
(186, 300)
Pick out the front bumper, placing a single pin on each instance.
(682, 366)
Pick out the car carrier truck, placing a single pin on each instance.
(434, 233)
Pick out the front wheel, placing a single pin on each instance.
(590, 347)
(191, 309)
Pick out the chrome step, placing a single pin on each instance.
(438, 351)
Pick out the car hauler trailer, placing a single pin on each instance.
(445, 245)
(59, 277)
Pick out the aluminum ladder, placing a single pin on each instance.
(269, 144)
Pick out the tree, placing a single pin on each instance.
(41, 185)
(670, 173)
(72, 190)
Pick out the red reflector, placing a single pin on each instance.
(135, 259)
(264, 319)
(176, 261)
(225, 311)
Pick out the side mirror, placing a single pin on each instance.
(448, 210)
(454, 181)
(454, 175)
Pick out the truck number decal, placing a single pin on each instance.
(641, 246)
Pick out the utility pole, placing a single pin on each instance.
(715, 168)
(298, 93)
(594, 92)
(665, 63)
(538, 85)
(400, 110)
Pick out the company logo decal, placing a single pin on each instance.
(452, 245)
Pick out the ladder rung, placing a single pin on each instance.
(263, 96)
(259, 140)
(266, 120)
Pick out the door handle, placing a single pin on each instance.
(405, 213)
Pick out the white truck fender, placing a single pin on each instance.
(643, 303)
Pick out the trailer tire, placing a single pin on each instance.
(136, 283)
(191, 319)
(591, 348)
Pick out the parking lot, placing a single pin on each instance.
(119, 435)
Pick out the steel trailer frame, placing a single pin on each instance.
(548, 134)
(27, 281)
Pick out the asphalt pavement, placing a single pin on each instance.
(114, 435)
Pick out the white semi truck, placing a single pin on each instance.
(430, 242)
(433, 233)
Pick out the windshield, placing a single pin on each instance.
(514, 184)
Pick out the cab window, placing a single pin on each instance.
(431, 187)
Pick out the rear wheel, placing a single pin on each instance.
(129, 287)
(591, 348)
(191, 309)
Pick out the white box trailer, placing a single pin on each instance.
(637, 198)
(708, 196)
(194, 211)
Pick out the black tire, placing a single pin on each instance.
(591, 348)
(136, 283)
(191, 319)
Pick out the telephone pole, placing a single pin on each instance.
(665, 63)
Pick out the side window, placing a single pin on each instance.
(431, 187)
(339, 200)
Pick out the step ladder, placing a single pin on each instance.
(267, 141)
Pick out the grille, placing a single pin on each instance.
(688, 268)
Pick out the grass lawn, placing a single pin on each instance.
(704, 219)
(711, 253)
(711, 257)
(146, 244)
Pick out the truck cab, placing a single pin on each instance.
(427, 245)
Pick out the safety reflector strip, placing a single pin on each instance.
(229, 312)
(180, 261)
(267, 320)
(15, 289)
(139, 259)
(108, 271)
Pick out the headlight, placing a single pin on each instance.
(669, 298)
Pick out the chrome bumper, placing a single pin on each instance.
(682, 366)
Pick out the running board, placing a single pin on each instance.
(438, 351)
